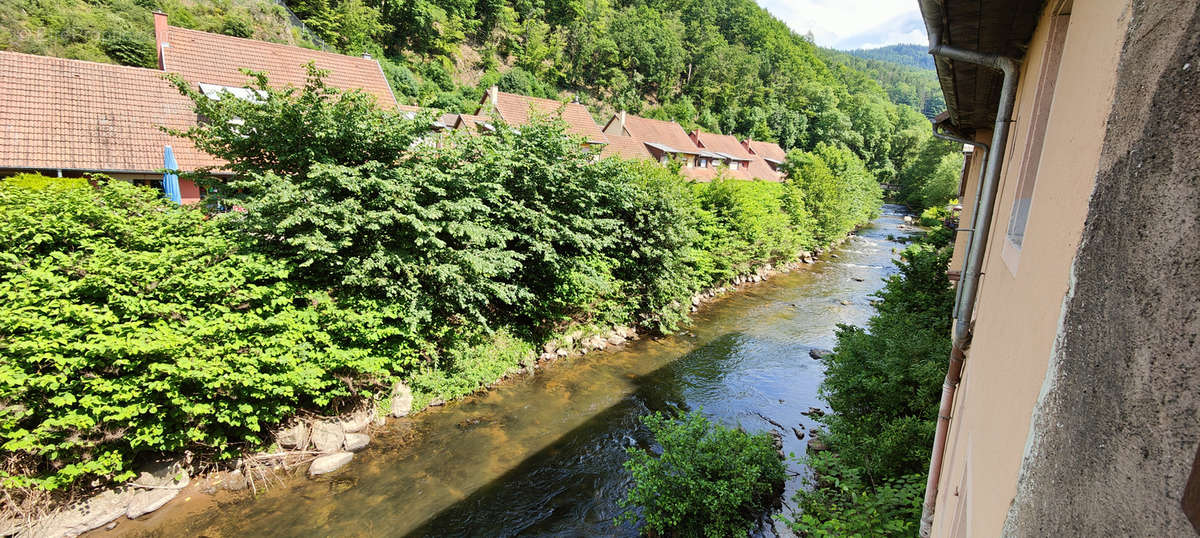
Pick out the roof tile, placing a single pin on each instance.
(218, 59)
(76, 115)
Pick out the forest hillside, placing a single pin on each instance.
(725, 66)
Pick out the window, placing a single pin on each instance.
(1036, 134)
(733, 165)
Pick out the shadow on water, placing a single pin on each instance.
(543, 455)
(571, 487)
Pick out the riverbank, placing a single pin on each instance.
(420, 466)
(311, 446)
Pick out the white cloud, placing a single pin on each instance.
(852, 24)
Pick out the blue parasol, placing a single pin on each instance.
(171, 178)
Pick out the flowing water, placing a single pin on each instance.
(543, 455)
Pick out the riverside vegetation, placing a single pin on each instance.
(357, 253)
(883, 383)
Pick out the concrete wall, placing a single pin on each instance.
(1021, 297)
(1115, 434)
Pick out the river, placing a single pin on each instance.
(542, 455)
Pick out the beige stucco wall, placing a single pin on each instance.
(1019, 304)
(970, 191)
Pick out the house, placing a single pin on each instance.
(1071, 402)
(741, 158)
(519, 110)
(664, 140)
(728, 151)
(71, 117)
(202, 57)
(767, 154)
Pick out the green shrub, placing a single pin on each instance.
(708, 480)
(839, 192)
(838, 503)
(131, 325)
(884, 382)
(519, 228)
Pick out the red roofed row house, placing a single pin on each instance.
(702, 155)
(70, 117)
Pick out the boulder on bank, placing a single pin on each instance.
(329, 463)
(328, 436)
(356, 441)
(87, 515)
(147, 501)
(236, 481)
(295, 436)
(402, 400)
(358, 420)
(815, 444)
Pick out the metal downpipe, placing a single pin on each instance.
(937, 133)
(969, 284)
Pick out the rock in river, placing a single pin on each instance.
(329, 463)
(402, 400)
(357, 441)
(818, 354)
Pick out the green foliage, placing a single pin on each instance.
(931, 178)
(132, 325)
(883, 384)
(122, 31)
(747, 224)
(942, 185)
(356, 251)
(839, 503)
(708, 480)
(908, 55)
(839, 192)
(468, 364)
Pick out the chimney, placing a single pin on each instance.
(494, 96)
(160, 38)
(622, 120)
(366, 56)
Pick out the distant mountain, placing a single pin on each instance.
(910, 55)
(913, 85)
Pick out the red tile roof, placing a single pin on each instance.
(625, 147)
(515, 110)
(665, 133)
(727, 144)
(759, 169)
(76, 115)
(471, 122)
(217, 59)
(766, 150)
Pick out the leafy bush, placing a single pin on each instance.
(883, 384)
(708, 480)
(839, 192)
(130, 325)
(839, 503)
(933, 216)
(519, 228)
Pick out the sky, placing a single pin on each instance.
(852, 24)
